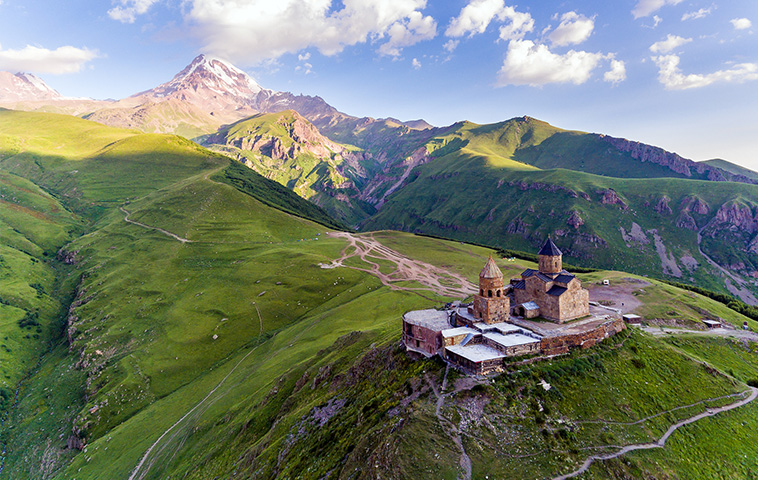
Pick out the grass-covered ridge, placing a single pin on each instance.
(287, 148)
(273, 194)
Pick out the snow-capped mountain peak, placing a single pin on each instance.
(25, 87)
(212, 75)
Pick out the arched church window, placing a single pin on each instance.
(489, 293)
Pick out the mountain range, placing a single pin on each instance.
(615, 203)
(167, 312)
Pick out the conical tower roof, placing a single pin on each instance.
(550, 249)
(490, 270)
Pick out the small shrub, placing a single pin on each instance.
(753, 382)
(638, 363)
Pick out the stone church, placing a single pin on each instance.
(550, 292)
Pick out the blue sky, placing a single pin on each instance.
(680, 74)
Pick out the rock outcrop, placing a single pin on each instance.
(610, 197)
(694, 204)
(521, 185)
(575, 220)
(734, 216)
(672, 161)
(662, 206)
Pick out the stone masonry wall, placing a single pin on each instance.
(558, 345)
(492, 310)
(421, 338)
(574, 304)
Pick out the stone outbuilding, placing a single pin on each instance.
(557, 293)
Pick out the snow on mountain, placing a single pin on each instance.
(208, 75)
(25, 87)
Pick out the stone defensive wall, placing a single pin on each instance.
(560, 344)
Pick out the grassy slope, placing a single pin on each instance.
(503, 214)
(313, 178)
(689, 454)
(33, 225)
(731, 167)
(287, 343)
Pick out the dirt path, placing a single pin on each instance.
(453, 432)
(740, 290)
(714, 332)
(366, 247)
(165, 232)
(662, 441)
(136, 474)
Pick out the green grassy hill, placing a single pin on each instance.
(204, 339)
(288, 149)
(512, 184)
(613, 203)
(731, 167)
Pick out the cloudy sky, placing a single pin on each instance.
(680, 74)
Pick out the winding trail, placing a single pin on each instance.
(136, 471)
(435, 279)
(453, 432)
(165, 232)
(711, 332)
(661, 442)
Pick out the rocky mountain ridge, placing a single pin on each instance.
(25, 87)
(674, 162)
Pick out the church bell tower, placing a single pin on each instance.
(491, 305)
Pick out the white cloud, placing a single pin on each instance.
(672, 42)
(408, 32)
(527, 63)
(617, 73)
(128, 10)
(250, 31)
(573, 29)
(702, 13)
(451, 45)
(656, 20)
(519, 24)
(475, 17)
(478, 14)
(741, 23)
(416, 64)
(645, 7)
(42, 60)
(304, 56)
(671, 76)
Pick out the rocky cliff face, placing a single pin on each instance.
(674, 162)
(735, 217)
(301, 138)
